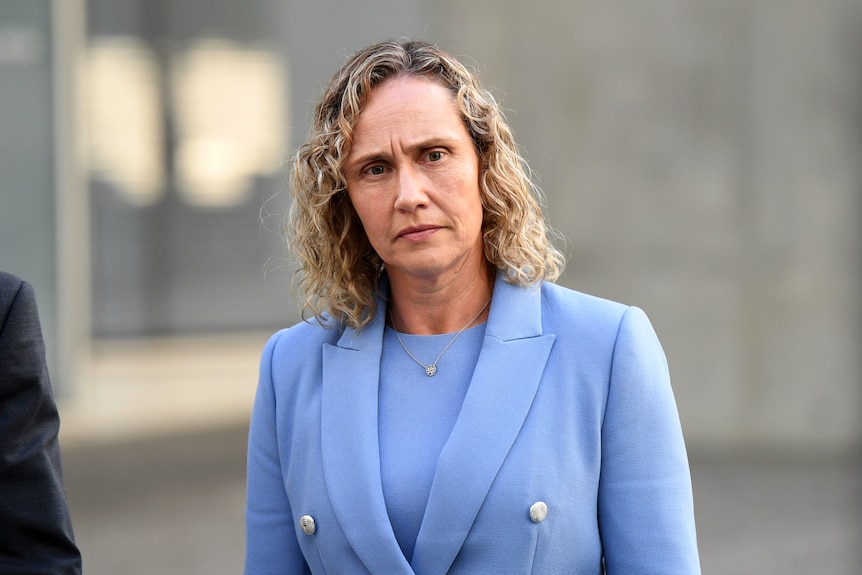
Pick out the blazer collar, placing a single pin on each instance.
(350, 445)
(491, 417)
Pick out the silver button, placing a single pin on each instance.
(538, 511)
(306, 522)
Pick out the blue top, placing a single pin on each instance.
(416, 416)
(569, 411)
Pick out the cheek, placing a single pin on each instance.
(475, 207)
(359, 206)
(369, 219)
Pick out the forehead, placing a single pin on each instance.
(407, 104)
(411, 85)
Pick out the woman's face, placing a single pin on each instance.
(413, 178)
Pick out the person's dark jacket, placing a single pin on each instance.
(35, 528)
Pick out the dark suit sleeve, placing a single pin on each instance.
(35, 528)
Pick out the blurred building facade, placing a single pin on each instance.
(700, 158)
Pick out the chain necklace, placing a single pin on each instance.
(431, 369)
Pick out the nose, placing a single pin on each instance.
(411, 192)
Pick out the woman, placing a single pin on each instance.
(448, 409)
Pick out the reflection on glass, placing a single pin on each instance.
(124, 119)
(228, 103)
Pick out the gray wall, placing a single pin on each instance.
(702, 160)
(27, 179)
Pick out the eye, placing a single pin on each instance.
(435, 156)
(376, 170)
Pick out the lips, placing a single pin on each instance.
(417, 233)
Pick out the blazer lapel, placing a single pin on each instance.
(350, 447)
(501, 393)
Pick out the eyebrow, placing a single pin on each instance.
(445, 141)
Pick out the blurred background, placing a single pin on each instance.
(702, 160)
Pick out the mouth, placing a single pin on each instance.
(417, 233)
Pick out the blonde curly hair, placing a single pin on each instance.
(338, 269)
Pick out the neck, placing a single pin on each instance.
(427, 308)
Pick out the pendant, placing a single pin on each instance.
(430, 370)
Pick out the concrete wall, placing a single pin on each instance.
(702, 160)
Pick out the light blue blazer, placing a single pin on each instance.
(570, 405)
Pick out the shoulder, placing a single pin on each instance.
(17, 303)
(298, 344)
(291, 367)
(594, 319)
(567, 307)
(9, 283)
(305, 334)
(555, 294)
(10, 286)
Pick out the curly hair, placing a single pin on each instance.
(338, 269)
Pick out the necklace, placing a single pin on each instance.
(431, 368)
